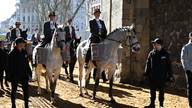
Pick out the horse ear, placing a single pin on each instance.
(132, 26)
(26, 30)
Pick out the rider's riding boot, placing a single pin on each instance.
(34, 63)
(88, 56)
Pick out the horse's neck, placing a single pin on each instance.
(54, 49)
(112, 45)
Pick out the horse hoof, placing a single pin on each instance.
(86, 93)
(38, 93)
(80, 94)
(72, 81)
(113, 101)
(93, 98)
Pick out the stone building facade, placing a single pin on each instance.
(170, 20)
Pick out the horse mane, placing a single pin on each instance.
(121, 28)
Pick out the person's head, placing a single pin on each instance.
(17, 24)
(69, 21)
(35, 30)
(20, 42)
(190, 36)
(51, 16)
(97, 13)
(2, 43)
(10, 28)
(157, 43)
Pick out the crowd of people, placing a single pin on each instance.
(158, 69)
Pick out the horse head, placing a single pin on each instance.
(131, 38)
(24, 34)
(77, 42)
(59, 37)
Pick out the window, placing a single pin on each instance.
(23, 10)
(29, 28)
(23, 18)
(32, 27)
(82, 14)
(33, 10)
(28, 18)
(18, 18)
(17, 13)
(23, 26)
(28, 10)
(32, 18)
(82, 26)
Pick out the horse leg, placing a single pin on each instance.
(51, 86)
(98, 74)
(80, 68)
(47, 82)
(38, 72)
(66, 71)
(71, 68)
(111, 73)
(87, 74)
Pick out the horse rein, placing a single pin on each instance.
(130, 41)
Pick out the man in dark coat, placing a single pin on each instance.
(35, 37)
(48, 29)
(16, 32)
(3, 63)
(8, 35)
(70, 31)
(19, 70)
(158, 71)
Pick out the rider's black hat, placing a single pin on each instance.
(157, 40)
(97, 10)
(51, 13)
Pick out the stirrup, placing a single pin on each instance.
(86, 66)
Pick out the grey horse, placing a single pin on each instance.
(125, 36)
(53, 64)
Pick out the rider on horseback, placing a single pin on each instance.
(16, 32)
(98, 32)
(48, 30)
(8, 35)
(70, 31)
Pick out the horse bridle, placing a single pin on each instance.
(124, 43)
(58, 43)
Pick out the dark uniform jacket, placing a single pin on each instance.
(159, 66)
(8, 36)
(3, 58)
(47, 33)
(94, 28)
(35, 40)
(19, 65)
(67, 33)
(13, 34)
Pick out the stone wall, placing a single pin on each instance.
(171, 20)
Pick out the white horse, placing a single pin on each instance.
(125, 36)
(53, 64)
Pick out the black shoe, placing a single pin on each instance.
(86, 66)
(150, 106)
